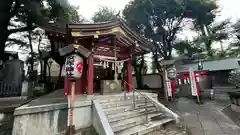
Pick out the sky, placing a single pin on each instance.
(230, 8)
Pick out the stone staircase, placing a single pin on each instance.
(125, 119)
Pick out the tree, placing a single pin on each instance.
(140, 67)
(159, 21)
(214, 32)
(104, 14)
(234, 48)
(186, 47)
(33, 12)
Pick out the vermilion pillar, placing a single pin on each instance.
(90, 75)
(129, 75)
(83, 82)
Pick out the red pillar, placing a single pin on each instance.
(129, 75)
(90, 75)
(66, 86)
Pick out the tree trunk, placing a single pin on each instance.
(2, 45)
(45, 71)
(40, 56)
(59, 76)
(208, 42)
(41, 70)
(137, 76)
(140, 72)
(160, 75)
(31, 49)
(49, 72)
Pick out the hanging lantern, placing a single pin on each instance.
(74, 66)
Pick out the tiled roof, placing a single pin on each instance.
(216, 65)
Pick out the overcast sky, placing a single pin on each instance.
(230, 8)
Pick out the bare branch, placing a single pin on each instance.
(15, 9)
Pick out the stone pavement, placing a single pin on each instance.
(7, 106)
(205, 119)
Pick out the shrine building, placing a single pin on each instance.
(112, 46)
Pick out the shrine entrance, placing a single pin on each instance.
(112, 46)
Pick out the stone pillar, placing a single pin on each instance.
(90, 74)
(129, 75)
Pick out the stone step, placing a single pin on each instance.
(141, 118)
(130, 114)
(118, 99)
(122, 109)
(145, 128)
(123, 103)
(130, 123)
(103, 102)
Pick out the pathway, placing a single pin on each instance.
(205, 119)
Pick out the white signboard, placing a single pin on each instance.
(192, 82)
(169, 88)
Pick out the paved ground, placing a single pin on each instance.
(205, 119)
(7, 106)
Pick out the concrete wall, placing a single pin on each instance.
(153, 81)
(50, 119)
(6, 122)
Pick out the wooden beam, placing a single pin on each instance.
(110, 54)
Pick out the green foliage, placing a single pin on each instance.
(186, 48)
(160, 21)
(104, 14)
(30, 14)
(213, 33)
(236, 30)
(203, 11)
(234, 48)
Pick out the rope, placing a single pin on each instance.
(113, 61)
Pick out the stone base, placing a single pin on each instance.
(110, 86)
(235, 108)
(70, 130)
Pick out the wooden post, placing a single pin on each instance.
(90, 75)
(71, 99)
(129, 75)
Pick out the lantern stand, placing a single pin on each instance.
(73, 71)
(71, 127)
(71, 99)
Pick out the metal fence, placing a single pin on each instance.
(10, 90)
